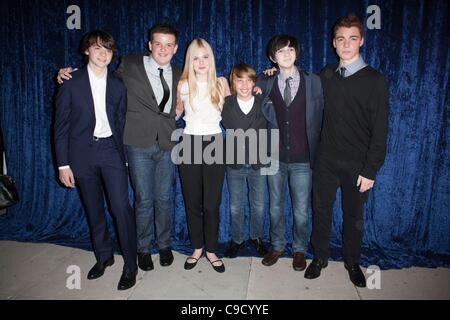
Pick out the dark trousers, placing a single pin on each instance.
(108, 169)
(202, 189)
(328, 175)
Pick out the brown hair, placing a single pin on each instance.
(347, 22)
(100, 38)
(165, 29)
(242, 70)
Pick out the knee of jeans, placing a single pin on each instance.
(164, 198)
(236, 209)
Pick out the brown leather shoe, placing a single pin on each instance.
(271, 257)
(299, 262)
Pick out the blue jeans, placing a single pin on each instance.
(237, 180)
(153, 178)
(299, 176)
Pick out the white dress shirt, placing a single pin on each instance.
(98, 88)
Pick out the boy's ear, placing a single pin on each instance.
(271, 59)
(150, 45)
(86, 52)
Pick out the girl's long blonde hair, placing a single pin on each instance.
(215, 89)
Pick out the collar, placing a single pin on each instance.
(93, 76)
(353, 67)
(154, 65)
(283, 76)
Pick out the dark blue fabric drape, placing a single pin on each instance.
(408, 212)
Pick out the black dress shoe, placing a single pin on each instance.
(127, 280)
(233, 249)
(145, 261)
(356, 275)
(259, 247)
(99, 269)
(314, 268)
(165, 257)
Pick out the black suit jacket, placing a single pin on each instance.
(75, 120)
(145, 124)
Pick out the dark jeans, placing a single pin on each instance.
(153, 178)
(238, 180)
(202, 189)
(107, 167)
(329, 175)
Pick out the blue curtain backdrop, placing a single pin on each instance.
(407, 217)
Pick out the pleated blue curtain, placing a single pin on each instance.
(407, 217)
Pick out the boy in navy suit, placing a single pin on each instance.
(90, 117)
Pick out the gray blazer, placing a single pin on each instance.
(145, 125)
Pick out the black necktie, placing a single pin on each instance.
(342, 71)
(287, 93)
(165, 98)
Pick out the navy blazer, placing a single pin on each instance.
(75, 120)
(314, 107)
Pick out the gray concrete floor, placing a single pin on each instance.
(40, 271)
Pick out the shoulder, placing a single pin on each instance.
(175, 69)
(328, 71)
(132, 58)
(314, 77)
(372, 72)
(264, 78)
(77, 78)
(76, 75)
(229, 100)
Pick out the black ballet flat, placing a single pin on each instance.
(220, 269)
(190, 265)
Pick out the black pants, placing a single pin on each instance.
(108, 169)
(202, 189)
(328, 175)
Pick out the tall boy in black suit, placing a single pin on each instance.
(90, 117)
